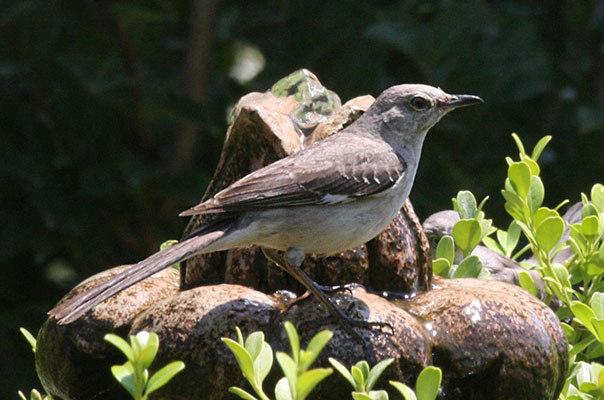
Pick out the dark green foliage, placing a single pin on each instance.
(96, 104)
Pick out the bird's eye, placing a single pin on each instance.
(420, 103)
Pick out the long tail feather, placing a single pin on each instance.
(75, 307)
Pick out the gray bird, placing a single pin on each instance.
(331, 196)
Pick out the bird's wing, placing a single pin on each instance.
(338, 169)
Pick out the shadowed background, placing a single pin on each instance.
(113, 113)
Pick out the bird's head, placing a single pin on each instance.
(414, 109)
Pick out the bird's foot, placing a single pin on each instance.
(339, 313)
(348, 288)
(349, 323)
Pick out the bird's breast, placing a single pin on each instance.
(325, 229)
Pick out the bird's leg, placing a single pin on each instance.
(291, 262)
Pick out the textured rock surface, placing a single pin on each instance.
(493, 340)
(73, 361)
(192, 323)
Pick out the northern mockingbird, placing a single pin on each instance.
(331, 196)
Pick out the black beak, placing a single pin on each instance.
(460, 100)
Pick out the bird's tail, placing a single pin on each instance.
(70, 310)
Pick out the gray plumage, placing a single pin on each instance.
(341, 171)
(332, 196)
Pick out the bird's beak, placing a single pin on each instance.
(460, 100)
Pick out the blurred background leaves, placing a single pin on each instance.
(113, 113)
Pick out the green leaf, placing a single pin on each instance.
(136, 348)
(290, 370)
(263, 363)
(163, 376)
(469, 268)
(583, 314)
(601, 252)
(33, 395)
(343, 371)
(124, 374)
(282, 390)
(239, 336)
(598, 371)
(554, 286)
(404, 390)
(585, 380)
(378, 395)
(527, 282)
(514, 205)
(428, 383)
(167, 244)
(241, 393)
(149, 347)
(597, 196)
(597, 304)
(536, 193)
(513, 237)
(598, 326)
(483, 274)
(441, 267)
(253, 344)
(359, 379)
(562, 274)
(376, 372)
(373, 395)
(549, 232)
(482, 203)
(593, 266)
(294, 340)
(121, 344)
(308, 380)
(519, 144)
(364, 367)
(569, 332)
(519, 174)
(493, 244)
(538, 149)
(589, 210)
(485, 224)
(315, 346)
(142, 341)
(30, 338)
(467, 234)
(246, 364)
(590, 227)
(577, 241)
(446, 249)
(543, 213)
(533, 166)
(574, 394)
(502, 237)
(360, 396)
(466, 204)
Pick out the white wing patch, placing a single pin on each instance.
(334, 198)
